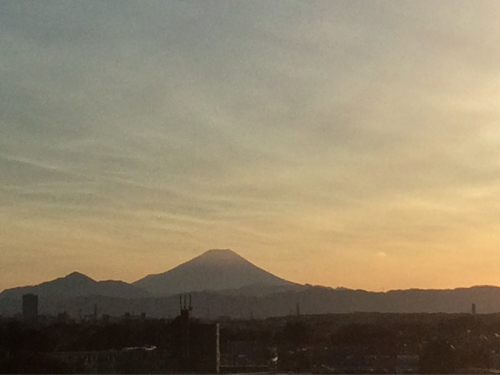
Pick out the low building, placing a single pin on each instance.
(407, 364)
(137, 360)
(90, 362)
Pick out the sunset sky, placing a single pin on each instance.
(341, 143)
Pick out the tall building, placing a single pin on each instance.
(196, 344)
(30, 307)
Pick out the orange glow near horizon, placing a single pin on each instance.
(328, 143)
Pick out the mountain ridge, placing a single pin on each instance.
(76, 284)
(255, 292)
(310, 300)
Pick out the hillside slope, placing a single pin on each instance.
(214, 270)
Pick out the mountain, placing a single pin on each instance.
(222, 283)
(214, 270)
(74, 285)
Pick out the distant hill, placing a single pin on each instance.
(261, 290)
(310, 300)
(74, 285)
(214, 270)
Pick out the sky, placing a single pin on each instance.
(341, 143)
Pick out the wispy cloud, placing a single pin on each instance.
(315, 133)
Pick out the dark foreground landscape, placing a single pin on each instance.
(332, 343)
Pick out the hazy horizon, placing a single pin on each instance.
(345, 143)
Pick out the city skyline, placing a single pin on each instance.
(345, 143)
